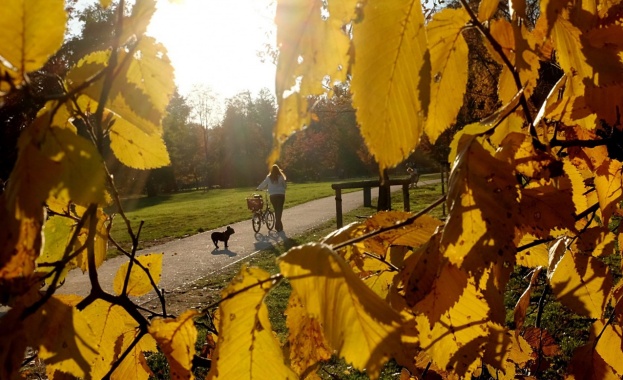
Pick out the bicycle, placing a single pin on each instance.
(256, 204)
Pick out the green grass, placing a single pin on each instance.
(173, 216)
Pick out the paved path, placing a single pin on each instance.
(189, 259)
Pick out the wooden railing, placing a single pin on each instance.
(367, 193)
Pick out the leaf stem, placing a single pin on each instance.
(381, 259)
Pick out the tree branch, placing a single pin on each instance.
(498, 49)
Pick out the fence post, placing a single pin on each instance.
(367, 197)
(338, 207)
(405, 197)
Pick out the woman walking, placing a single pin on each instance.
(275, 182)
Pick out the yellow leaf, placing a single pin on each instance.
(114, 330)
(599, 99)
(292, 115)
(597, 241)
(136, 148)
(566, 39)
(609, 344)
(20, 243)
(608, 182)
(391, 78)
(482, 203)
(85, 69)
(136, 25)
(448, 55)
(307, 344)
(498, 125)
(313, 46)
(57, 232)
(441, 292)
(457, 340)
(78, 173)
(152, 74)
(246, 346)
(535, 256)
(134, 366)
(578, 188)
(412, 235)
(32, 30)
(518, 149)
(545, 206)
(420, 275)
(582, 283)
(585, 158)
(177, 339)
(374, 260)
(53, 163)
(505, 352)
(487, 9)
(138, 283)
(63, 336)
(105, 3)
(137, 105)
(518, 46)
(598, 359)
(363, 329)
(83, 176)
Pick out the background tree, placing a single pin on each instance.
(205, 111)
(331, 147)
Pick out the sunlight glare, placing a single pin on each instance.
(216, 43)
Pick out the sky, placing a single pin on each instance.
(215, 43)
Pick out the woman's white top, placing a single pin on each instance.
(278, 187)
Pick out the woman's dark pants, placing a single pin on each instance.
(277, 200)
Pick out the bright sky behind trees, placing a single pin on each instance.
(216, 43)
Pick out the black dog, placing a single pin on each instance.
(222, 236)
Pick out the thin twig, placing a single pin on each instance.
(125, 354)
(133, 256)
(147, 272)
(89, 213)
(381, 259)
(96, 288)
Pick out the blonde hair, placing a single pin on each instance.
(275, 172)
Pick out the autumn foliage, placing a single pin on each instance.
(533, 186)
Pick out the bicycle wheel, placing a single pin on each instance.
(269, 218)
(256, 221)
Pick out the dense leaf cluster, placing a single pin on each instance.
(535, 188)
